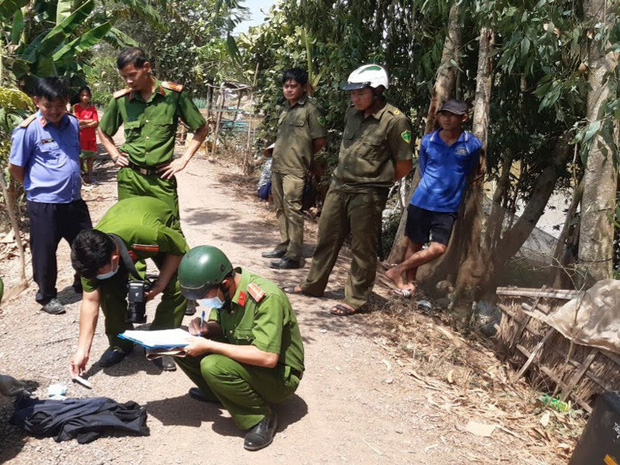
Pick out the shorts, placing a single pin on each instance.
(264, 191)
(428, 226)
(87, 154)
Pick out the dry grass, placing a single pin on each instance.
(466, 378)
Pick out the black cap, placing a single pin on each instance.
(454, 106)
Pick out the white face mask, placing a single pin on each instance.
(109, 274)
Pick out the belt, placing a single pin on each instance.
(152, 171)
(299, 374)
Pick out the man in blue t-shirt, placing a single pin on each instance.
(447, 157)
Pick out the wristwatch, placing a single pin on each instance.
(115, 159)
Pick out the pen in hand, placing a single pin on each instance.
(202, 322)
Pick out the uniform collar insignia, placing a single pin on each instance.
(242, 298)
(43, 121)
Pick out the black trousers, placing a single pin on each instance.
(50, 222)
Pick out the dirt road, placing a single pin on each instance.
(355, 405)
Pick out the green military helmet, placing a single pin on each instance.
(202, 268)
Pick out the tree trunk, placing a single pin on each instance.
(444, 86)
(599, 196)
(10, 207)
(445, 83)
(564, 253)
(472, 268)
(513, 239)
(496, 219)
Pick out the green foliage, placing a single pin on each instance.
(51, 38)
(14, 107)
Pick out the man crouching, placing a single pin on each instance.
(248, 353)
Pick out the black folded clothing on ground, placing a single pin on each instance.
(83, 419)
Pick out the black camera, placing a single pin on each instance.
(136, 299)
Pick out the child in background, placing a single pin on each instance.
(86, 113)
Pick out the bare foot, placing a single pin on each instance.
(396, 277)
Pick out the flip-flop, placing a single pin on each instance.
(405, 293)
(291, 290)
(342, 310)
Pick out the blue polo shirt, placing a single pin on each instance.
(50, 157)
(444, 170)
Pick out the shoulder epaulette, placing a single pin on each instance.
(256, 292)
(172, 86)
(120, 93)
(27, 121)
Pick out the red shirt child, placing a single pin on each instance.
(86, 113)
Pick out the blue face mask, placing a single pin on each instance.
(109, 274)
(214, 302)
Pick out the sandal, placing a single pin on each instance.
(343, 310)
(292, 290)
(405, 293)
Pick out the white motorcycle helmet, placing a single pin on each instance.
(367, 76)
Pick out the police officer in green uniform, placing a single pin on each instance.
(301, 134)
(376, 150)
(249, 353)
(148, 229)
(149, 110)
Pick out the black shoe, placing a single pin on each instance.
(112, 357)
(285, 264)
(273, 254)
(54, 307)
(262, 434)
(196, 394)
(165, 362)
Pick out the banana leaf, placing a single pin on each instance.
(9, 7)
(59, 33)
(116, 38)
(18, 27)
(82, 43)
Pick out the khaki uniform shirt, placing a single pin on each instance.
(260, 314)
(147, 227)
(370, 149)
(150, 127)
(298, 126)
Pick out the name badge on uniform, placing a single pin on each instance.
(46, 141)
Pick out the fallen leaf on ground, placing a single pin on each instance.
(480, 429)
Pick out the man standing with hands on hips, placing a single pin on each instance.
(150, 110)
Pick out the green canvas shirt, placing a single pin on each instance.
(150, 127)
(298, 126)
(270, 324)
(370, 149)
(146, 225)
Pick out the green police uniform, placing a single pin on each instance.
(150, 130)
(260, 314)
(368, 154)
(149, 229)
(298, 126)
